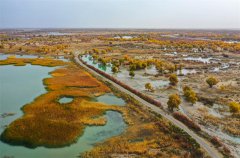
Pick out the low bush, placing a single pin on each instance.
(184, 119)
(215, 141)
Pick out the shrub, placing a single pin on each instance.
(215, 141)
(114, 69)
(173, 102)
(132, 67)
(148, 87)
(190, 94)
(131, 73)
(186, 88)
(173, 79)
(184, 119)
(234, 107)
(192, 97)
(211, 81)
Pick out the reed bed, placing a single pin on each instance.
(34, 61)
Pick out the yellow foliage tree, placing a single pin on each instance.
(173, 101)
(173, 79)
(148, 87)
(211, 81)
(234, 107)
(190, 94)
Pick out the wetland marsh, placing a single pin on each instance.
(60, 109)
(29, 82)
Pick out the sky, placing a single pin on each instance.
(169, 14)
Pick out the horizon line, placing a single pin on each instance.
(116, 28)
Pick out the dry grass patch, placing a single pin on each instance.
(75, 78)
(34, 61)
(150, 139)
(229, 124)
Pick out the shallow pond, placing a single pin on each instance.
(199, 59)
(123, 37)
(57, 33)
(224, 66)
(106, 68)
(110, 99)
(65, 100)
(5, 56)
(137, 82)
(19, 85)
(151, 70)
(171, 54)
(186, 71)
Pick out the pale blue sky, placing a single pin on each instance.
(120, 14)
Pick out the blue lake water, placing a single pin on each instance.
(110, 99)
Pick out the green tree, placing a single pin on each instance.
(173, 101)
(173, 79)
(132, 67)
(148, 87)
(234, 107)
(131, 73)
(115, 63)
(121, 61)
(160, 68)
(211, 81)
(114, 69)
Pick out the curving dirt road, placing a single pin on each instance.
(210, 149)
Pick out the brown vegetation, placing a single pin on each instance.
(184, 119)
(38, 61)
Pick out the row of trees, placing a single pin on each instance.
(183, 45)
(100, 51)
(198, 44)
(137, 64)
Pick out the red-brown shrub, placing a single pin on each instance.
(184, 119)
